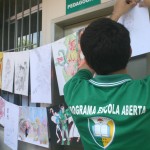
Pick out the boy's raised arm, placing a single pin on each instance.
(121, 7)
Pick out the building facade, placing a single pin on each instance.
(27, 24)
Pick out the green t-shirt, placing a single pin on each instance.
(111, 112)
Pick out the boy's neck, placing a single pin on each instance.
(122, 71)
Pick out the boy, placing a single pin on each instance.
(111, 110)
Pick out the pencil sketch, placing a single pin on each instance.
(21, 73)
(138, 24)
(1, 65)
(128, 22)
(8, 72)
(40, 64)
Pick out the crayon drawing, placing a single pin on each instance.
(62, 127)
(66, 56)
(1, 65)
(11, 125)
(2, 111)
(33, 126)
(40, 64)
(21, 72)
(8, 71)
(80, 54)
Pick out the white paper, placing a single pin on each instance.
(65, 55)
(138, 23)
(11, 125)
(40, 74)
(2, 111)
(8, 71)
(21, 72)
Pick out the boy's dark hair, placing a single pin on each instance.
(106, 46)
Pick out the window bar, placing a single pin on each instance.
(38, 33)
(22, 20)
(3, 32)
(3, 25)
(8, 35)
(9, 25)
(16, 28)
(30, 23)
(22, 27)
(29, 90)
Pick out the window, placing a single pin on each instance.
(20, 29)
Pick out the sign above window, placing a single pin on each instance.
(76, 5)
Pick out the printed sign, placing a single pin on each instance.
(76, 5)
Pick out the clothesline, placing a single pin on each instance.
(12, 50)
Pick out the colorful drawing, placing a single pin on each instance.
(62, 128)
(8, 71)
(1, 65)
(40, 64)
(21, 72)
(67, 58)
(33, 126)
(80, 54)
(2, 111)
(11, 125)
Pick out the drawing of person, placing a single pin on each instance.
(64, 125)
(71, 65)
(73, 133)
(21, 76)
(7, 73)
(24, 127)
(56, 119)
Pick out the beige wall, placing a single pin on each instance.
(51, 9)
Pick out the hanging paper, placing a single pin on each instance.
(33, 126)
(21, 72)
(65, 53)
(138, 23)
(2, 111)
(62, 127)
(8, 71)
(1, 65)
(40, 64)
(11, 125)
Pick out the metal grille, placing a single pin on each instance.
(20, 30)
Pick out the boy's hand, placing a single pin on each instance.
(144, 3)
(121, 7)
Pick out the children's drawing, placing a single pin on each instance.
(33, 126)
(8, 71)
(2, 111)
(11, 125)
(138, 23)
(1, 65)
(40, 64)
(21, 72)
(80, 54)
(62, 128)
(67, 57)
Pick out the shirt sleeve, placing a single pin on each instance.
(81, 76)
